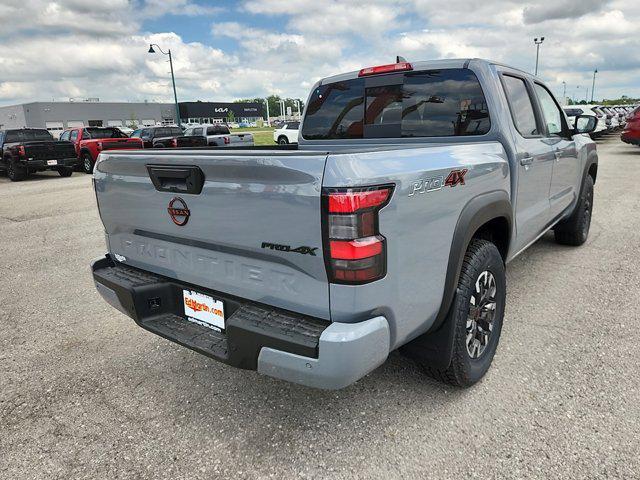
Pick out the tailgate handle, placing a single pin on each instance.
(176, 179)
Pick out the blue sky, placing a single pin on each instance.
(225, 50)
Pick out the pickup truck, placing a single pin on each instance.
(220, 136)
(167, 137)
(388, 226)
(29, 150)
(90, 141)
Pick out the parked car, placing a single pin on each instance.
(631, 132)
(220, 136)
(387, 226)
(167, 137)
(575, 110)
(614, 123)
(29, 150)
(90, 141)
(288, 133)
(126, 130)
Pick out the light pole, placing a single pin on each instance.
(564, 91)
(173, 79)
(298, 105)
(266, 101)
(593, 85)
(538, 43)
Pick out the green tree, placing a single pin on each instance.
(231, 117)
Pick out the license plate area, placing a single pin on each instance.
(52, 162)
(203, 309)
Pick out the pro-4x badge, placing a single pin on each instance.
(456, 177)
(287, 248)
(433, 184)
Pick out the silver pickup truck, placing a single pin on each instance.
(388, 226)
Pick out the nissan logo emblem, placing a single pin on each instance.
(178, 211)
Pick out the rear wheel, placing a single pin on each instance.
(87, 163)
(282, 140)
(575, 230)
(477, 313)
(65, 171)
(15, 172)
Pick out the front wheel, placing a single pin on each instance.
(87, 163)
(477, 312)
(283, 140)
(575, 230)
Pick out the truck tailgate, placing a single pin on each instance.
(254, 209)
(240, 139)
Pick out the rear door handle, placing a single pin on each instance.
(558, 155)
(526, 161)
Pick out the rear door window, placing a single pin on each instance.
(520, 105)
(434, 103)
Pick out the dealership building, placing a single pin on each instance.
(56, 116)
(219, 112)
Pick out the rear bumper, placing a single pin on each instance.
(275, 342)
(43, 164)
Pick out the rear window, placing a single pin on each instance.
(168, 132)
(218, 130)
(434, 103)
(27, 136)
(96, 133)
(572, 112)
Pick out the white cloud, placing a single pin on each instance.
(68, 48)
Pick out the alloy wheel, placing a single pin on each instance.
(482, 313)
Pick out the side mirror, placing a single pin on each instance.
(585, 123)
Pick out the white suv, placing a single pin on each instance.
(288, 133)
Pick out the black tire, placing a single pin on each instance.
(282, 140)
(86, 163)
(481, 257)
(65, 171)
(575, 230)
(15, 172)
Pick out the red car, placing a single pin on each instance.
(631, 132)
(90, 141)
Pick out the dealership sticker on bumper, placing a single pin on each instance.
(52, 162)
(203, 309)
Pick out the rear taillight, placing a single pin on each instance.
(355, 251)
(174, 142)
(21, 151)
(227, 140)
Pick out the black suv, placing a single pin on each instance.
(29, 150)
(167, 137)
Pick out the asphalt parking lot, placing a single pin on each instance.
(84, 393)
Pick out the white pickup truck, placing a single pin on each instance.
(220, 136)
(389, 225)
